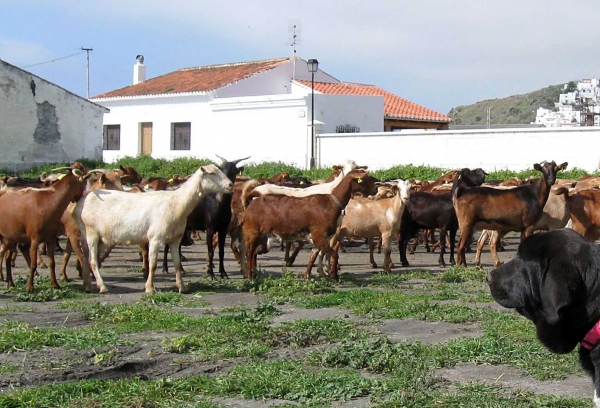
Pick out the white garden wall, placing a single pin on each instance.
(493, 149)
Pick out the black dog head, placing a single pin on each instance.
(554, 281)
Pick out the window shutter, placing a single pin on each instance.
(105, 138)
(172, 136)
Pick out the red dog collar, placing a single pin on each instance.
(592, 338)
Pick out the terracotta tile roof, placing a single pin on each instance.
(196, 79)
(394, 107)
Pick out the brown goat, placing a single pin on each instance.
(516, 209)
(107, 180)
(584, 207)
(293, 217)
(32, 216)
(161, 184)
(129, 175)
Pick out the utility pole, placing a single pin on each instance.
(489, 117)
(87, 50)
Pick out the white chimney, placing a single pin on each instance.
(139, 70)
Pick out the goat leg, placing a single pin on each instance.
(50, 246)
(297, 249)
(222, 236)
(210, 253)
(165, 267)
(311, 260)
(371, 248)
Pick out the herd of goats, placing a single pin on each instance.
(101, 208)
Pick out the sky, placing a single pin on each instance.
(439, 54)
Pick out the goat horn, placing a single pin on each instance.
(77, 172)
(239, 160)
(222, 159)
(60, 168)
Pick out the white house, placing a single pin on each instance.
(41, 122)
(260, 109)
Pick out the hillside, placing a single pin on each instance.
(516, 109)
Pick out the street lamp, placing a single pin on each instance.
(313, 66)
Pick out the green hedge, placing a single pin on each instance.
(149, 167)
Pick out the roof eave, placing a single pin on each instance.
(417, 119)
(150, 96)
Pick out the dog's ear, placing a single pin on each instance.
(555, 292)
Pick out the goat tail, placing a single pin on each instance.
(248, 192)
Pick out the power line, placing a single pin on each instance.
(57, 59)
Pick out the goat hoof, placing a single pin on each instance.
(373, 265)
(224, 275)
(391, 265)
(496, 264)
(405, 264)
(183, 258)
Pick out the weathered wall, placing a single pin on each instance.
(490, 149)
(43, 123)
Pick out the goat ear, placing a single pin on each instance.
(240, 170)
(563, 166)
(537, 167)
(363, 167)
(204, 169)
(121, 167)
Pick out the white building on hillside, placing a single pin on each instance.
(42, 123)
(580, 107)
(260, 109)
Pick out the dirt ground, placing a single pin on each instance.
(146, 359)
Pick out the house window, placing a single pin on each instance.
(180, 135)
(347, 129)
(111, 139)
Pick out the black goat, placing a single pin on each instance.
(213, 215)
(425, 210)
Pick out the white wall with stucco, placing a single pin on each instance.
(490, 149)
(71, 128)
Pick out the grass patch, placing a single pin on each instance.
(460, 274)
(43, 290)
(18, 336)
(276, 380)
(4, 310)
(507, 340)
(174, 299)
(236, 336)
(288, 287)
(397, 305)
(9, 368)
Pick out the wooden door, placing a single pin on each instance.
(147, 138)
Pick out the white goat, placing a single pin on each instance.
(323, 188)
(367, 218)
(108, 217)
